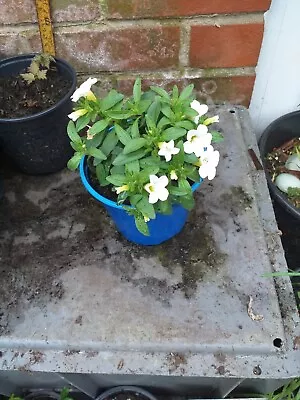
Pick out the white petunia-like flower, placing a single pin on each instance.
(173, 175)
(197, 140)
(84, 90)
(167, 150)
(211, 120)
(200, 108)
(157, 188)
(208, 163)
(78, 113)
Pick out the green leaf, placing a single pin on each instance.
(117, 169)
(187, 92)
(184, 185)
(190, 158)
(160, 91)
(74, 161)
(111, 100)
(72, 133)
(194, 175)
(101, 175)
(173, 133)
(123, 159)
(165, 207)
(133, 167)
(175, 92)
(166, 110)
(109, 143)
(154, 111)
(134, 144)
(135, 129)
(116, 179)
(123, 136)
(144, 105)
(82, 122)
(146, 208)
(119, 114)
(150, 161)
(135, 199)
(176, 191)
(164, 121)
(190, 112)
(217, 137)
(141, 225)
(185, 124)
(137, 90)
(97, 153)
(187, 202)
(77, 147)
(144, 175)
(96, 141)
(98, 127)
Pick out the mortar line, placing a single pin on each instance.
(185, 31)
(106, 24)
(188, 73)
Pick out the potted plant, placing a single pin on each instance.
(280, 150)
(35, 100)
(143, 157)
(126, 393)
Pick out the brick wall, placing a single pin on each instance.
(213, 43)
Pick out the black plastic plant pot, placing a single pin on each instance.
(42, 395)
(38, 143)
(278, 132)
(126, 393)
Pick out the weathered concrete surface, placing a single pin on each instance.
(77, 297)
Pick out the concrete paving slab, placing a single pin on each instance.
(77, 297)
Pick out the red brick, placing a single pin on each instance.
(12, 44)
(225, 46)
(219, 90)
(120, 50)
(169, 8)
(17, 11)
(74, 10)
(24, 11)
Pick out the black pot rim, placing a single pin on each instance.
(25, 57)
(122, 389)
(42, 392)
(279, 196)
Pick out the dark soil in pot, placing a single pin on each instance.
(20, 99)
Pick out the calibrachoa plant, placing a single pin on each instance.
(149, 148)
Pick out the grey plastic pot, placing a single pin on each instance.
(137, 391)
(278, 132)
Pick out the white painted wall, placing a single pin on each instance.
(277, 87)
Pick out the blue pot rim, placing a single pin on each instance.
(103, 199)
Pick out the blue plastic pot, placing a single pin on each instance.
(162, 228)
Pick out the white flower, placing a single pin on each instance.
(157, 188)
(173, 175)
(84, 90)
(208, 163)
(211, 120)
(78, 113)
(146, 219)
(200, 108)
(167, 149)
(197, 140)
(121, 189)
